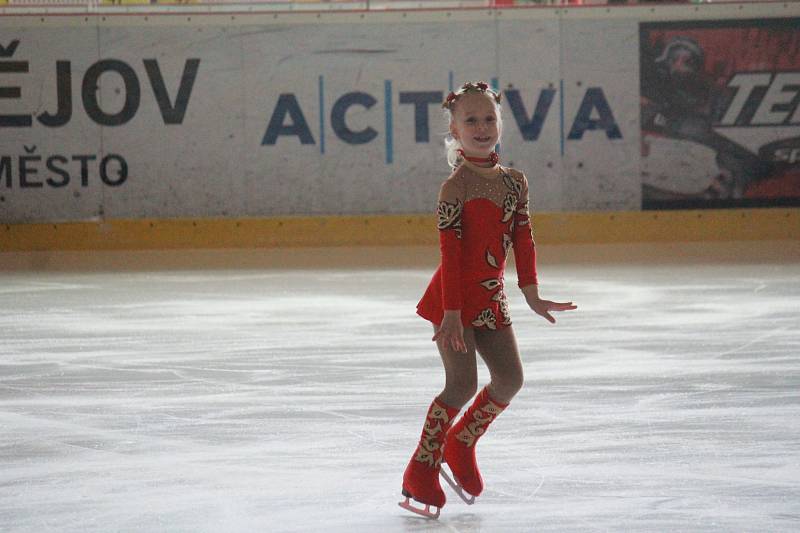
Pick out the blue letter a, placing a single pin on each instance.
(594, 99)
(287, 104)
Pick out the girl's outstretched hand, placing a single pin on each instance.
(544, 307)
(451, 332)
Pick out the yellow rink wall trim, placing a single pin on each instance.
(398, 230)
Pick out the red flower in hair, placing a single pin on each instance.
(482, 86)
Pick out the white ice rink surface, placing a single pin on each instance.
(276, 399)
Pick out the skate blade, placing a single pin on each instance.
(469, 499)
(422, 512)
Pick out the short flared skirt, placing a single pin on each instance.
(482, 307)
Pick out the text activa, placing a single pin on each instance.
(288, 118)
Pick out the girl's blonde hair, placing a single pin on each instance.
(453, 145)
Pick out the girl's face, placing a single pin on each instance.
(474, 124)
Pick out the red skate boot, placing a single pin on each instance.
(421, 478)
(459, 447)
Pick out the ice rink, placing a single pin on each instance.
(285, 391)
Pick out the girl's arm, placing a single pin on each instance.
(449, 211)
(522, 239)
(525, 258)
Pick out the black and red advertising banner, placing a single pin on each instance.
(720, 113)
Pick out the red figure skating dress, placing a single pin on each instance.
(482, 213)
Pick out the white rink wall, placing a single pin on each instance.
(165, 115)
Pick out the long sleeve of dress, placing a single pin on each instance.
(449, 211)
(524, 246)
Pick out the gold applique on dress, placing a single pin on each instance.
(509, 206)
(507, 242)
(490, 284)
(491, 259)
(449, 215)
(486, 318)
(511, 183)
(524, 211)
(502, 301)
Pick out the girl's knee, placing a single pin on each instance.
(467, 390)
(506, 387)
(460, 392)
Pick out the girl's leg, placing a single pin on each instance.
(421, 477)
(499, 351)
(461, 371)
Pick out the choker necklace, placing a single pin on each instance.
(493, 158)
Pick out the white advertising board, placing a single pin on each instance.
(204, 117)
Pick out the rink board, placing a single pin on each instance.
(398, 230)
(152, 116)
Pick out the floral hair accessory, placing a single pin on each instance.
(470, 87)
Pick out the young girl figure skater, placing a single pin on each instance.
(482, 213)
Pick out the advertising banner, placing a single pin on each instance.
(341, 116)
(208, 118)
(720, 113)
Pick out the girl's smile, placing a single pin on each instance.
(475, 124)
